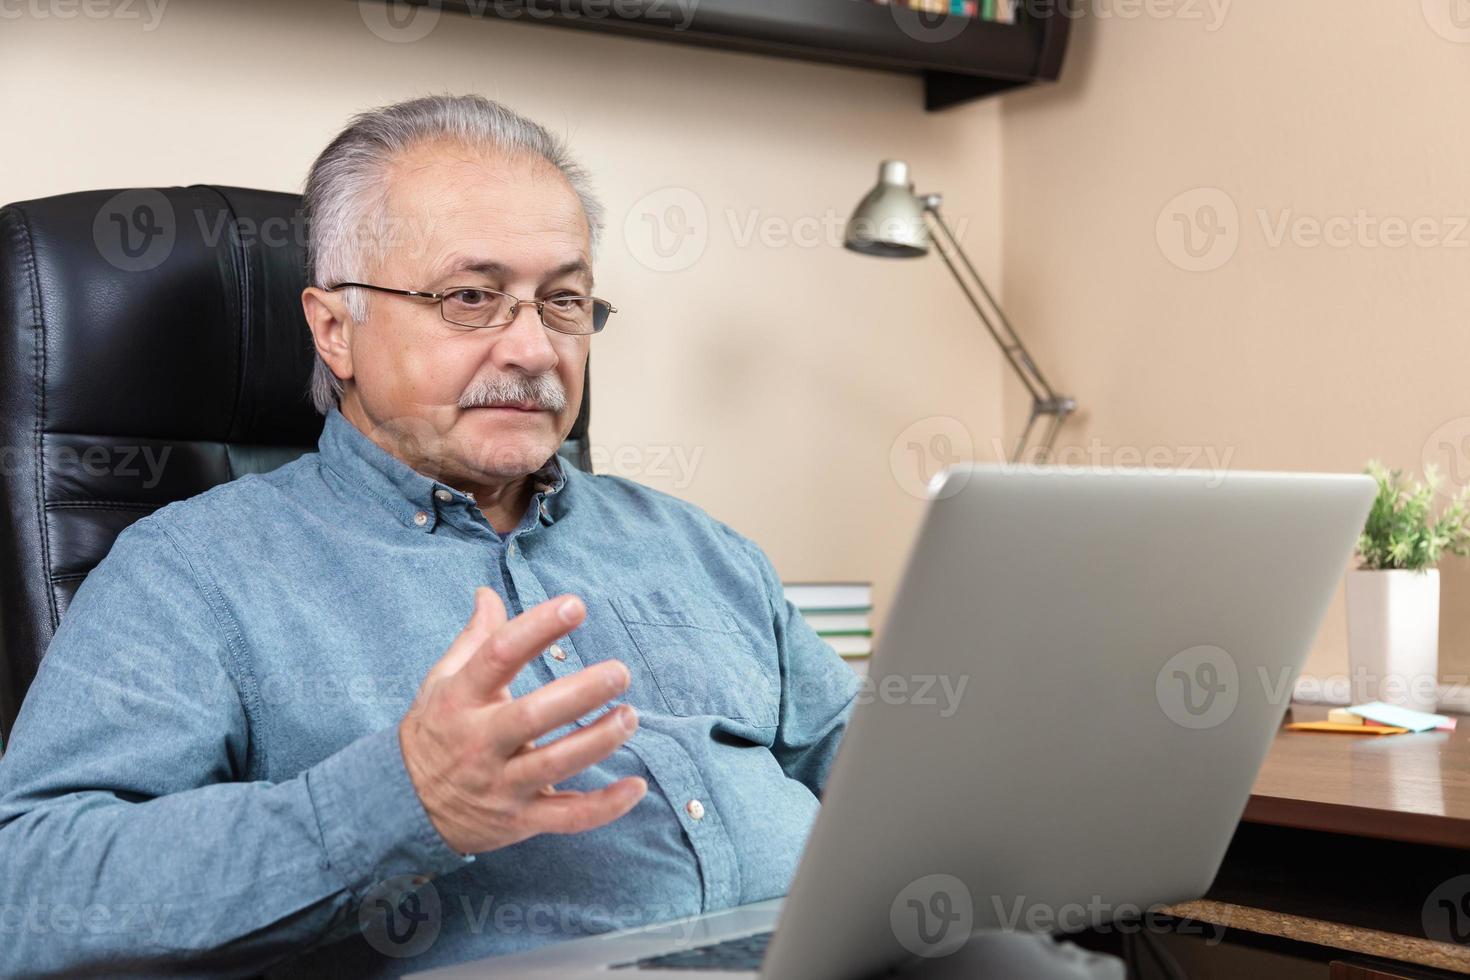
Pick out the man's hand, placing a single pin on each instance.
(469, 746)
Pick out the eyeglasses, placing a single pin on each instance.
(477, 306)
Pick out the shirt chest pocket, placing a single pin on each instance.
(700, 660)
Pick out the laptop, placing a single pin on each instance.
(1125, 644)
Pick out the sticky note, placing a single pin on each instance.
(1332, 726)
(1392, 714)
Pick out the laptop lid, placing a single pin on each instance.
(1067, 707)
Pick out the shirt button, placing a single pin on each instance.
(695, 809)
(443, 496)
(421, 518)
(557, 653)
(512, 549)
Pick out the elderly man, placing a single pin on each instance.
(425, 694)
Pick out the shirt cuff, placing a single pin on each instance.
(373, 825)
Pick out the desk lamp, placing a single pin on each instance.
(890, 223)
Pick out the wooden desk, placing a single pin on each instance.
(1343, 842)
(1413, 788)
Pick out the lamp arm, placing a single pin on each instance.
(1044, 398)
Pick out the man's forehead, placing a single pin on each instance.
(472, 209)
(542, 262)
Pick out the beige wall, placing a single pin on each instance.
(761, 371)
(1292, 352)
(782, 367)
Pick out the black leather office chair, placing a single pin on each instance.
(135, 324)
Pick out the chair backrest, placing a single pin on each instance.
(151, 346)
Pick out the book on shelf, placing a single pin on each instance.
(996, 11)
(838, 623)
(851, 646)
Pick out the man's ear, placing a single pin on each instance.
(331, 328)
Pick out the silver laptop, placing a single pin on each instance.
(1124, 645)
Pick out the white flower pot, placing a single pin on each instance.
(1393, 637)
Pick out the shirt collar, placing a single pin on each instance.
(412, 497)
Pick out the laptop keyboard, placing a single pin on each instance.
(740, 953)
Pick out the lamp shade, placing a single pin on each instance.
(889, 221)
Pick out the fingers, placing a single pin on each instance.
(498, 657)
(559, 703)
(573, 753)
(487, 615)
(572, 813)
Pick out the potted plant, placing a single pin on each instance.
(1393, 594)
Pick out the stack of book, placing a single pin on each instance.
(841, 614)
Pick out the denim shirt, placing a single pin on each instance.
(206, 775)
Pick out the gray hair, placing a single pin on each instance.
(347, 188)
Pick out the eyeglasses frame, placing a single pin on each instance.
(515, 305)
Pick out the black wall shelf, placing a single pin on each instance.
(981, 58)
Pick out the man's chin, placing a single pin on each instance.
(508, 442)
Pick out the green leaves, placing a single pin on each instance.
(1401, 531)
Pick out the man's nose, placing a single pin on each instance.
(523, 343)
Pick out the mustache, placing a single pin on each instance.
(544, 391)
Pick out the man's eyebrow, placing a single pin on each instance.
(576, 266)
(483, 267)
(499, 270)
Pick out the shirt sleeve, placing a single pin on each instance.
(818, 688)
(129, 835)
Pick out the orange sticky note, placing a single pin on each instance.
(1333, 726)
